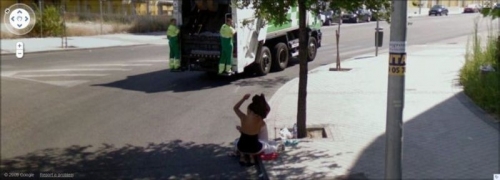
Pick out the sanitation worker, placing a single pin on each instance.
(173, 42)
(226, 32)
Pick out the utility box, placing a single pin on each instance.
(379, 38)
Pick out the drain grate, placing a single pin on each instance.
(316, 133)
(341, 69)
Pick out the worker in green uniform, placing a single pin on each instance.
(226, 32)
(173, 42)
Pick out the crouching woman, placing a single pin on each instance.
(251, 125)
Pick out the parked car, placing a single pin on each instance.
(472, 8)
(330, 16)
(438, 10)
(360, 15)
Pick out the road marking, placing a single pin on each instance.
(149, 61)
(120, 65)
(59, 75)
(66, 70)
(66, 83)
(70, 83)
(12, 73)
(7, 74)
(63, 83)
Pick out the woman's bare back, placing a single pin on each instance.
(251, 125)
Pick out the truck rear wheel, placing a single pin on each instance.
(312, 49)
(280, 58)
(263, 64)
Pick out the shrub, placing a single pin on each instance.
(145, 24)
(483, 89)
(48, 23)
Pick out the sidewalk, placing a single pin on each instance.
(445, 135)
(86, 42)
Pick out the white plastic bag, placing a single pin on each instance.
(285, 134)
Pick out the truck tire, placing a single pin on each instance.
(263, 63)
(280, 57)
(312, 49)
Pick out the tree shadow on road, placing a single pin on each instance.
(164, 81)
(176, 159)
(452, 140)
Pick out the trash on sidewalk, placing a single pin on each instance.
(287, 137)
(486, 68)
(285, 134)
(291, 142)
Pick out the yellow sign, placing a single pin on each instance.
(397, 64)
(397, 70)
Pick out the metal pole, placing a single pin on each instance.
(100, 4)
(420, 7)
(376, 36)
(395, 93)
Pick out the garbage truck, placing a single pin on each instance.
(260, 46)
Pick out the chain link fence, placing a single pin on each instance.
(95, 17)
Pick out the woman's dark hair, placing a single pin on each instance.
(259, 106)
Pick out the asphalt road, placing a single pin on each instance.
(119, 113)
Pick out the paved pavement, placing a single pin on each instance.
(87, 42)
(445, 135)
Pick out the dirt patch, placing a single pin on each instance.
(81, 29)
(91, 29)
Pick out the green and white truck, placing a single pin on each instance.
(259, 45)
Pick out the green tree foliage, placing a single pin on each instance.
(491, 12)
(381, 9)
(275, 11)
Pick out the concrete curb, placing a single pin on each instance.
(261, 170)
(76, 49)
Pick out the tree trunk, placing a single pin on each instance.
(337, 38)
(303, 46)
(498, 73)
